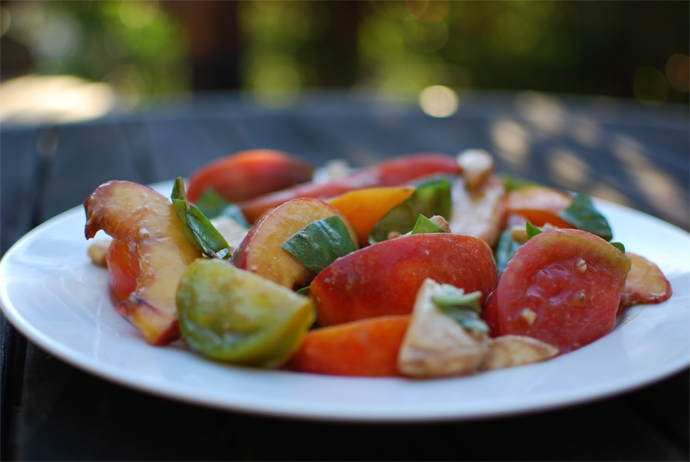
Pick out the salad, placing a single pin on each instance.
(422, 266)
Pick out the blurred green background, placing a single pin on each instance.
(275, 50)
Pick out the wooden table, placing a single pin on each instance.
(618, 150)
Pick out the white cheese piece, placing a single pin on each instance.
(435, 345)
(477, 213)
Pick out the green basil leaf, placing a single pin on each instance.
(619, 246)
(467, 319)
(531, 230)
(449, 295)
(505, 249)
(583, 215)
(213, 205)
(425, 226)
(461, 307)
(320, 243)
(198, 229)
(431, 198)
(303, 291)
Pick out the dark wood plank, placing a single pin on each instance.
(67, 414)
(604, 430)
(20, 176)
(88, 155)
(178, 147)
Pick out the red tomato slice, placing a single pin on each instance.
(247, 174)
(562, 287)
(124, 269)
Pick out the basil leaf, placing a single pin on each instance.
(449, 295)
(461, 307)
(431, 198)
(531, 230)
(425, 226)
(505, 249)
(213, 205)
(198, 229)
(303, 291)
(619, 246)
(583, 215)
(320, 243)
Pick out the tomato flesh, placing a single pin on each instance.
(124, 269)
(562, 287)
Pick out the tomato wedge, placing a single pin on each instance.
(364, 348)
(247, 174)
(562, 287)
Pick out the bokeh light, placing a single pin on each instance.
(438, 101)
(512, 142)
(658, 186)
(568, 168)
(53, 99)
(587, 132)
(544, 111)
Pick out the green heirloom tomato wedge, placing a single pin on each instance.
(239, 317)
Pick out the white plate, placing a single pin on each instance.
(51, 292)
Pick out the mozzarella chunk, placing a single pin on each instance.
(435, 345)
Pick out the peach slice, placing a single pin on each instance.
(145, 220)
(262, 252)
(645, 283)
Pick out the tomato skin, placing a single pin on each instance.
(247, 174)
(363, 348)
(490, 314)
(562, 287)
(392, 172)
(124, 269)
